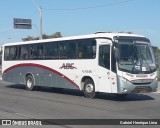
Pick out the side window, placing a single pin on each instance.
(40, 50)
(63, 50)
(51, 51)
(6, 53)
(104, 56)
(71, 54)
(24, 52)
(11, 53)
(14, 53)
(37, 51)
(87, 49)
(33, 52)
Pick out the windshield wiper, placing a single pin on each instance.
(143, 59)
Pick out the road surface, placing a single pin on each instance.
(17, 103)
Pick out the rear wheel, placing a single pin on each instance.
(30, 83)
(89, 88)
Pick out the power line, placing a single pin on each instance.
(5, 31)
(89, 7)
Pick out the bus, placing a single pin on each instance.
(119, 63)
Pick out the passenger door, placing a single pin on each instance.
(104, 68)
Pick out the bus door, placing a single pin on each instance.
(104, 68)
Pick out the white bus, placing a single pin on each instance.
(119, 63)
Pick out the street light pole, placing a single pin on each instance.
(40, 14)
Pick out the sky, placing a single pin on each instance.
(79, 17)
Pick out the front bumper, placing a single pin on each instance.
(124, 86)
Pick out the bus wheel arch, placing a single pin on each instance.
(30, 82)
(88, 87)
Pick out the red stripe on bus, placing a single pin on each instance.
(43, 67)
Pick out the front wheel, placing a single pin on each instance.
(30, 83)
(89, 89)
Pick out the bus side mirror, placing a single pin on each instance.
(116, 53)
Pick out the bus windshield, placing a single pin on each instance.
(135, 57)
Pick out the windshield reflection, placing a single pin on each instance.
(135, 57)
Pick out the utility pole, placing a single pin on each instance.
(41, 31)
(40, 15)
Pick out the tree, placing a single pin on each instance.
(157, 55)
(28, 38)
(44, 36)
(57, 35)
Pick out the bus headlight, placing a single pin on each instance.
(123, 84)
(125, 90)
(123, 79)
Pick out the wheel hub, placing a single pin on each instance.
(89, 88)
(29, 83)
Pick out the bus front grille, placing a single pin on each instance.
(142, 89)
(142, 81)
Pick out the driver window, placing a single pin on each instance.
(104, 56)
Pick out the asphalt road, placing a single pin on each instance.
(17, 103)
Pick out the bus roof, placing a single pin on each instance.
(108, 35)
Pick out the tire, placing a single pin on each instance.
(30, 83)
(89, 89)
